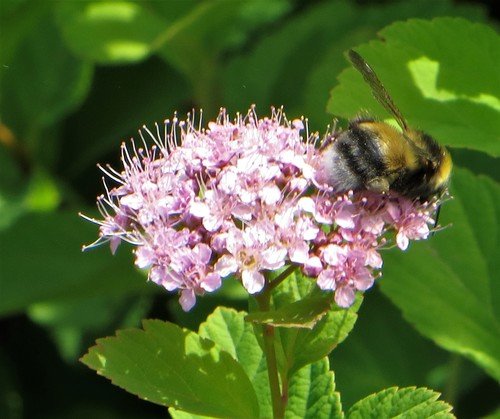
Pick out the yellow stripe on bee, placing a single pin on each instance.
(396, 151)
(443, 173)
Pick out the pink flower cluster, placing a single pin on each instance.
(240, 198)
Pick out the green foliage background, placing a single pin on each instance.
(79, 77)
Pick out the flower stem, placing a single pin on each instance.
(281, 277)
(264, 302)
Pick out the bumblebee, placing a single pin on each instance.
(374, 155)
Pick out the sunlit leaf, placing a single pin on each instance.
(233, 334)
(404, 402)
(299, 346)
(312, 393)
(361, 25)
(167, 365)
(438, 76)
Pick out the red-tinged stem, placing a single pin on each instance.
(264, 302)
(279, 396)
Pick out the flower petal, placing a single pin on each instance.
(226, 265)
(344, 296)
(187, 299)
(199, 209)
(334, 255)
(253, 281)
(327, 280)
(211, 282)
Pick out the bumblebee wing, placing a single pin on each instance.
(378, 89)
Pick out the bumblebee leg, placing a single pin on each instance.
(436, 221)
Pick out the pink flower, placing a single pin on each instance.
(296, 230)
(250, 252)
(410, 223)
(346, 273)
(190, 271)
(242, 198)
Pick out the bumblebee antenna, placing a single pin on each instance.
(378, 90)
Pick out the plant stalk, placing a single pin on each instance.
(264, 301)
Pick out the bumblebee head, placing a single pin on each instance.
(435, 159)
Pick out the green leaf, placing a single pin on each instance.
(300, 346)
(293, 289)
(477, 162)
(312, 393)
(311, 389)
(409, 402)
(304, 313)
(30, 100)
(493, 415)
(179, 414)
(361, 25)
(448, 286)
(491, 243)
(171, 366)
(229, 330)
(42, 261)
(431, 70)
(109, 32)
